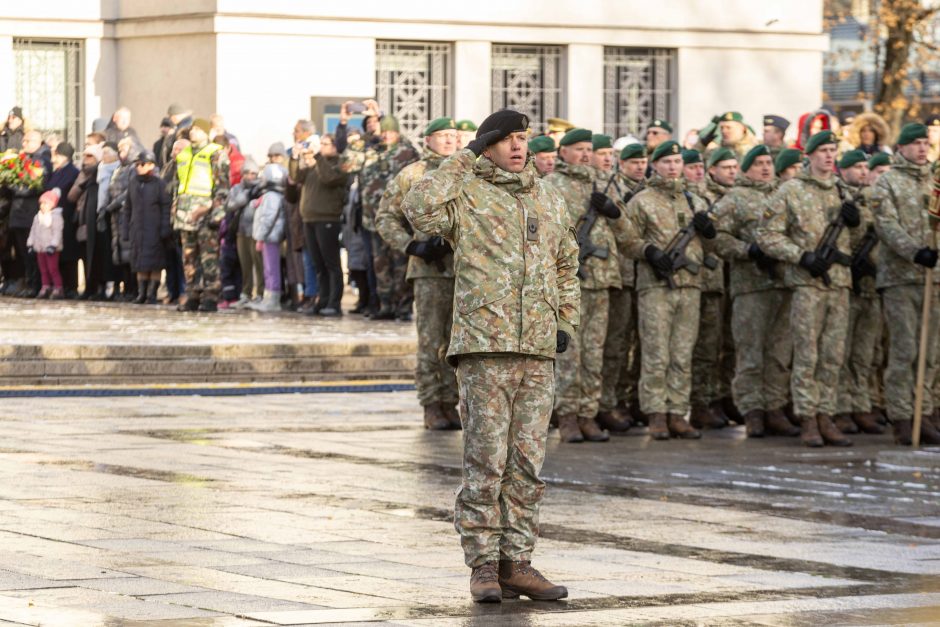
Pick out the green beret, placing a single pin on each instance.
(910, 132)
(601, 141)
(542, 143)
(786, 158)
(466, 125)
(663, 124)
(850, 158)
(879, 158)
(759, 150)
(575, 136)
(732, 116)
(666, 149)
(440, 124)
(691, 156)
(819, 139)
(633, 151)
(721, 154)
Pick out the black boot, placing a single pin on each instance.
(152, 288)
(142, 292)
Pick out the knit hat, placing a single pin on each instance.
(719, 155)
(277, 148)
(51, 196)
(666, 149)
(759, 150)
(851, 158)
(879, 158)
(633, 151)
(389, 123)
(203, 124)
(576, 135)
(910, 132)
(787, 158)
(250, 165)
(691, 156)
(542, 143)
(175, 109)
(16, 112)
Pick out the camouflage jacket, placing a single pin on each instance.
(794, 222)
(713, 281)
(861, 195)
(376, 167)
(654, 216)
(391, 224)
(739, 148)
(186, 204)
(515, 256)
(575, 183)
(737, 216)
(899, 201)
(622, 189)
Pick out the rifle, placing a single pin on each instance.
(827, 249)
(587, 248)
(860, 255)
(675, 250)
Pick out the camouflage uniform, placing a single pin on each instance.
(200, 241)
(433, 287)
(578, 370)
(514, 263)
(761, 306)
(668, 319)
(798, 214)
(376, 169)
(899, 201)
(864, 327)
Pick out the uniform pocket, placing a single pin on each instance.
(477, 296)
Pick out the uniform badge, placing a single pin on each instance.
(769, 213)
(532, 229)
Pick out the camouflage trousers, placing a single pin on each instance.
(621, 336)
(505, 404)
(201, 260)
(434, 307)
(578, 369)
(707, 352)
(862, 334)
(761, 327)
(668, 321)
(902, 307)
(391, 266)
(818, 322)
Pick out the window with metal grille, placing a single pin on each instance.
(638, 88)
(413, 82)
(530, 79)
(50, 86)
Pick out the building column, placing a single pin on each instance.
(473, 80)
(585, 69)
(7, 75)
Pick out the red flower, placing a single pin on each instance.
(37, 164)
(21, 174)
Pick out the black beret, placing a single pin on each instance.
(505, 120)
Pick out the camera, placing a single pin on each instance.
(356, 107)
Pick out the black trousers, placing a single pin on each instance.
(30, 268)
(323, 244)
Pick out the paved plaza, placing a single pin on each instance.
(336, 508)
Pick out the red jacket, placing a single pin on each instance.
(236, 160)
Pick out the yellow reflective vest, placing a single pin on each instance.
(195, 171)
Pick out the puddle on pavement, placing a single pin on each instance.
(130, 471)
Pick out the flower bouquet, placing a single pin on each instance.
(17, 169)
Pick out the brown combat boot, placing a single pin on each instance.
(881, 414)
(777, 423)
(809, 432)
(568, 429)
(591, 431)
(659, 429)
(731, 410)
(928, 434)
(902, 432)
(830, 433)
(718, 411)
(452, 415)
(844, 423)
(702, 417)
(517, 578)
(868, 422)
(434, 418)
(679, 428)
(615, 421)
(484, 584)
(754, 423)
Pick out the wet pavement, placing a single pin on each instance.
(336, 509)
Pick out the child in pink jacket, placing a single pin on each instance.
(45, 238)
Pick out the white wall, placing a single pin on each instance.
(586, 86)
(473, 80)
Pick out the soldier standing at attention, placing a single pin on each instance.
(899, 202)
(202, 180)
(775, 127)
(516, 305)
(788, 164)
(544, 150)
(431, 271)
(791, 230)
(578, 371)
(668, 318)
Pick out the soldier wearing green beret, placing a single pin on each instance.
(545, 152)
(466, 131)
(729, 131)
(791, 229)
(431, 272)
(657, 132)
(760, 301)
(667, 317)
(788, 164)
(578, 370)
(908, 250)
(602, 156)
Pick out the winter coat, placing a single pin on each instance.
(241, 204)
(11, 140)
(323, 189)
(853, 134)
(85, 196)
(270, 220)
(105, 172)
(148, 222)
(113, 134)
(356, 258)
(46, 231)
(117, 212)
(64, 178)
(25, 201)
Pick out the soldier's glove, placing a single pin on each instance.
(441, 247)
(816, 266)
(861, 269)
(704, 225)
(424, 250)
(561, 341)
(604, 205)
(479, 144)
(850, 214)
(754, 252)
(658, 259)
(926, 257)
